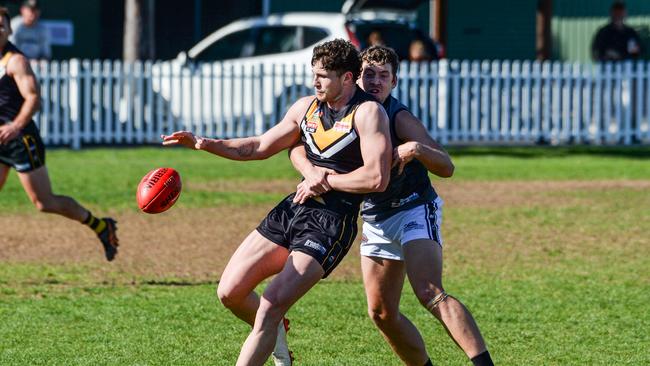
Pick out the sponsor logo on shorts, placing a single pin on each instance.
(413, 225)
(404, 201)
(364, 239)
(22, 166)
(314, 245)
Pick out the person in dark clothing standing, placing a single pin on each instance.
(21, 146)
(616, 41)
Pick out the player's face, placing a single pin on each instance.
(377, 80)
(5, 30)
(328, 86)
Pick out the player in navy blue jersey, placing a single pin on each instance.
(401, 230)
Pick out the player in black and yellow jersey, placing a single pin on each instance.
(21, 146)
(344, 130)
(401, 230)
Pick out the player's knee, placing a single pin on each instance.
(424, 294)
(228, 297)
(46, 206)
(271, 310)
(382, 315)
(433, 300)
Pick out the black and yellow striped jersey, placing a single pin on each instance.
(331, 141)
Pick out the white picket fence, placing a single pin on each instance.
(469, 103)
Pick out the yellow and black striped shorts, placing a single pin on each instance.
(26, 152)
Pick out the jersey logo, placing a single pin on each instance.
(342, 126)
(311, 126)
(326, 143)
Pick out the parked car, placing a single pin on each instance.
(251, 70)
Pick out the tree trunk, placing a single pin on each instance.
(132, 30)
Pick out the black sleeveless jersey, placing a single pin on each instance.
(331, 141)
(407, 190)
(10, 98)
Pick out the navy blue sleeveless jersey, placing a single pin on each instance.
(406, 190)
(331, 141)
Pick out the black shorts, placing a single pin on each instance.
(26, 152)
(311, 228)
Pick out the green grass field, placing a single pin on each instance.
(557, 275)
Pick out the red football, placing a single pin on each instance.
(158, 190)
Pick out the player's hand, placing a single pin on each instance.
(316, 179)
(404, 153)
(183, 138)
(315, 184)
(303, 193)
(8, 132)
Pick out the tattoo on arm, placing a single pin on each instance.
(244, 150)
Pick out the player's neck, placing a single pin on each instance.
(342, 99)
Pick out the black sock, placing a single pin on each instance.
(94, 223)
(483, 359)
(428, 363)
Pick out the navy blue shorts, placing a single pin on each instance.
(312, 229)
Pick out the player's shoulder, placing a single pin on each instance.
(305, 101)
(370, 109)
(15, 62)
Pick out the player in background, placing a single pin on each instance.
(21, 146)
(343, 129)
(401, 230)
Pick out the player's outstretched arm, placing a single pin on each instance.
(281, 136)
(419, 145)
(371, 123)
(18, 68)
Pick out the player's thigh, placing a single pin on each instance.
(423, 260)
(299, 274)
(36, 183)
(256, 259)
(4, 173)
(383, 280)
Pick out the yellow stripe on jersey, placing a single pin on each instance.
(326, 138)
(5, 59)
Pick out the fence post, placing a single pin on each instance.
(443, 100)
(74, 101)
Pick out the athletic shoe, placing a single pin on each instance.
(108, 237)
(281, 354)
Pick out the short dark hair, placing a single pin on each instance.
(4, 12)
(33, 4)
(381, 55)
(338, 55)
(618, 5)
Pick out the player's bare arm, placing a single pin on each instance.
(419, 145)
(371, 123)
(18, 68)
(282, 136)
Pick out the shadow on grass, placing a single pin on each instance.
(631, 152)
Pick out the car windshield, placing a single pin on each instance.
(398, 36)
(260, 41)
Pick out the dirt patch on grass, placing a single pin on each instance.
(194, 245)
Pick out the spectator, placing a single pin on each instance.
(418, 51)
(375, 38)
(616, 41)
(29, 35)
